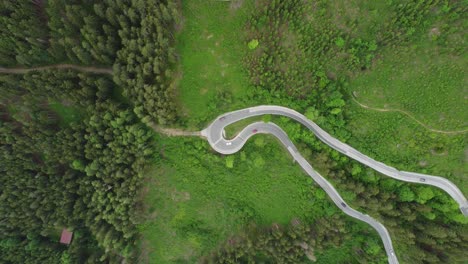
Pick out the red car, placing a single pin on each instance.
(254, 131)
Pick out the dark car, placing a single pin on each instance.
(343, 204)
(222, 118)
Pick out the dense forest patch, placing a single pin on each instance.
(73, 146)
(65, 167)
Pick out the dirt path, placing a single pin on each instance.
(165, 131)
(57, 66)
(173, 132)
(408, 115)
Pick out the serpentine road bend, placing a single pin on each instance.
(215, 135)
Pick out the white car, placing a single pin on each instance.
(228, 143)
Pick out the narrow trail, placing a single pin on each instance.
(90, 69)
(174, 132)
(452, 132)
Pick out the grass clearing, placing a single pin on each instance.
(349, 16)
(421, 80)
(211, 47)
(67, 114)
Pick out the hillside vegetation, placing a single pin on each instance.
(78, 149)
(311, 56)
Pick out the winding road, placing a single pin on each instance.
(215, 135)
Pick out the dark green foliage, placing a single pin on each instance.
(295, 243)
(116, 150)
(275, 245)
(71, 156)
(142, 66)
(37, 192)
(84, 32)
(23, 33)
(135, 37)
(31, 250)
(81, 176)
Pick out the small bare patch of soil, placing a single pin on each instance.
(66, 102)
(203, 90)
(144, 252)
(439, 153)
(153, 215)
(180, 20)
(235, 4)
(331, 75)
(441, 117)
(434, 32)
(466, 154)
(180, 196)
(379, 93)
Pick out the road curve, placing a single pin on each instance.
(215, 131)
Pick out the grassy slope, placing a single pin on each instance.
(211, 46)
(195, 199)
(67, 114)
(198, 202)
(427, 80)
(394, 139)
(420, 80)
(423, 77)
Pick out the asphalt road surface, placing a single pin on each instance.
(215, 135)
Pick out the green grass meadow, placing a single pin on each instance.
(199, 201)
(420, 80)
(211, 47)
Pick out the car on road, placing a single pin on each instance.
(222, 118)
(422, 179)
(343, 204)
(228, 143)
(255, 131)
